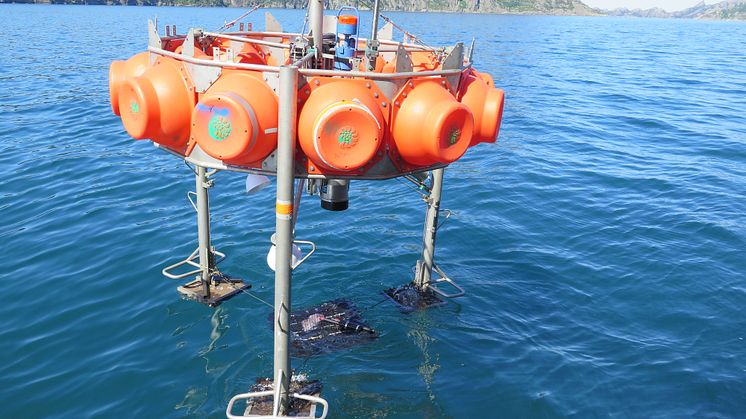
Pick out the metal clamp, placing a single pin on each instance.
(190, 260)
(444, 279)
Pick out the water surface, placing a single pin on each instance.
(601, 240)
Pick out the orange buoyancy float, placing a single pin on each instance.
(486, 104)
(421, 61)
(486, 77)
(158, 104)
(120, 71)
(430, 126)
(236, 119)
(341, 126)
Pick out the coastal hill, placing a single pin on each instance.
(544, 7)
(729, 9)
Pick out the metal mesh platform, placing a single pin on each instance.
(222, 288)
(328, 327)
(408, 298)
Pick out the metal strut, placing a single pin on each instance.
(206, 259)
(284, 234)
(210, 286)
(423, 279)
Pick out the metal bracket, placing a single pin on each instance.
(271, 24)
(444, 279)
(276, 405)
(190, 260)
(154, 40)
(202, 76)
(304, 258)
(471, 50)
(313, 249)
(454, 60)
(403, 62)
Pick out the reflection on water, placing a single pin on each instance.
(430, 362)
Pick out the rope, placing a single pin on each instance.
(221, 277)
(230, 24)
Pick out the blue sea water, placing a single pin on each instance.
(601, 240)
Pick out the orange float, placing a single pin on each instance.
(251, 54)
(158, 104)
(236, 119)
(421, 61)
(341, 126)
(485, 103)
(487, 78)
(380, 64)
(430, 126)
(120, 71)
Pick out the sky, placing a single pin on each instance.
(669, 5)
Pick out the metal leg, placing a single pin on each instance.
(425, 265)
(203, 230)
(211, 286)
(284, 233)
(424, 292)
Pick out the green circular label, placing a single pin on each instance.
(219, 128)
(345, 137)
(454, 136)
(135, 107)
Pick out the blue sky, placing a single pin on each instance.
(669, 5)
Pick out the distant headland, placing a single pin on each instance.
(728, 10)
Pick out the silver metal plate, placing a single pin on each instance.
(454, 60)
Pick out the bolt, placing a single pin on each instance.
(375, 95)
(383, 104)
(316, 82)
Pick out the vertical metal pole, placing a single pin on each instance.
(371, 47)
(425, 265)
(316, 21)
(284, 231)
(374, 30)
(203, 229)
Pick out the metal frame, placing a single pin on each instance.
(276, 405)
(290, 77)
(309, 71)
(190, 261)
(423, 278)
(205, 252)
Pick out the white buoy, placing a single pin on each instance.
(296, 257)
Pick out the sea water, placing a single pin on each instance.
(601, 239)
